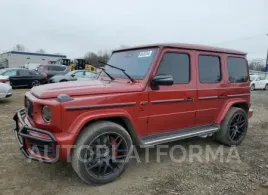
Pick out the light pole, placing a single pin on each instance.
(266, 64)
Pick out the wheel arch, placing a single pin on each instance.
(240, 103)
(121, 119)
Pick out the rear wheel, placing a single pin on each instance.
(233, 128)
(102, 152)
(266, 87)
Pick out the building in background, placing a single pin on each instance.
(15, 59)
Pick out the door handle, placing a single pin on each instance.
(188, 99)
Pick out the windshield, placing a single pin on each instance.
(252, 77)
(2, 71)
(135, 62)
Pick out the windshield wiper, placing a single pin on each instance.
(123, 70)
(103, 70)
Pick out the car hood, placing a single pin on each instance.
(78, 88)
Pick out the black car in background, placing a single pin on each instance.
(73, 76)
(53, 69)
(20, 77)
(2, 66)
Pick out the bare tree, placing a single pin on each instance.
(93, 58)
(41, 51)
(19, 47)
(257, 64)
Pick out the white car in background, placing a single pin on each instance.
(258, 82)
(5, 90)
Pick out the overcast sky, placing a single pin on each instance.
(76, 27)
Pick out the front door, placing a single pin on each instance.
(173, 107)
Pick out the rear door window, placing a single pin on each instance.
(24, 73)
(58, 68)
(209, 69)
(237, 70)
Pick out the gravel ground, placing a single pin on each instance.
(200, 176)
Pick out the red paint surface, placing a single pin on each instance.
(146, 119)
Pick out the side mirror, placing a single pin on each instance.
(72, 75)
(162, 80)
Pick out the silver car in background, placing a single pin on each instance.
(5, 90)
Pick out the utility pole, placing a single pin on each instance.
(266, 64)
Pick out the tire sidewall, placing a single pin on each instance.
(86, 176)
(224, 136)
(32, 84)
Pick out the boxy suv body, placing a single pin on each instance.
(150, 95)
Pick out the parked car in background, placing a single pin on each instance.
(258, 82)
(20, 77)
(53, 69)
(1, 66)
(5, 90)
(3, 79)
(73, 76)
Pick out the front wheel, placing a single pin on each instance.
(266, 87)
(233, 128)
(102, 152)
(35, 83)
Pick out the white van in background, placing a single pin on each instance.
(31, 66)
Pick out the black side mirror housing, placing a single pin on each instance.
(162, 80)
(72, 75)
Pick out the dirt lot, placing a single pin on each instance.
(250, 176)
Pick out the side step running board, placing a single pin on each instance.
(179, 134)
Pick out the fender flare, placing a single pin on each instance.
(227, 107)
(87, 117)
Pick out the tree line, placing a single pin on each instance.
(90, 57)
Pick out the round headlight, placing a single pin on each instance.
(46, 114)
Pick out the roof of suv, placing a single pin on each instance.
(189, 46)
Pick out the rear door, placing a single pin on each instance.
(209, 84)
(24, 77)
(173, 107)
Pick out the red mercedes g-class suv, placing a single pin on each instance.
(145, 96)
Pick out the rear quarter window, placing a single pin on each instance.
(237, 70)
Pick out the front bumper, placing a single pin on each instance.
(8, 95)
(36, 144)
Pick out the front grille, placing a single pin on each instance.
(29, 107)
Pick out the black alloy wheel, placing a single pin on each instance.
(106, 154)
(237, 127)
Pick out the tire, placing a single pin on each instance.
(88, 137)
(266, 87)
(224, 135)
(63, 81)
(252, 87)
(35, 83)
